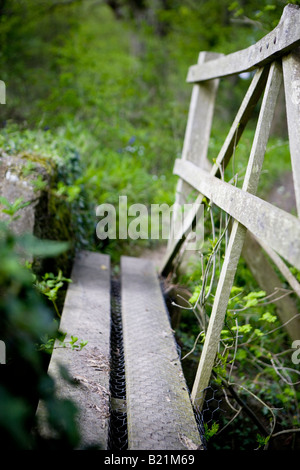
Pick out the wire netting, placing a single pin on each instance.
(117, 439)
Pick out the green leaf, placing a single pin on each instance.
(241, 355)
(5, 201)
(236, 290)
(268, 317)
(83, 344)
(209, 432)
(262, 440)
(251, 303)
(255, 295)
(252, 298)
(12, 208)
(243, 328)
(42, 248)
(269, 7)
(195, 295)
(258, 332)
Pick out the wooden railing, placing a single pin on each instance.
(276, 57)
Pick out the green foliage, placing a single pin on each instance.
(264, 16)
(253, 354)
(48, 344)
(24, 321)
(12, 208)
(49, 286)
(262, 440)
(210, 431)
(67, 199)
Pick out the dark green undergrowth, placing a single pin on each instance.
(26, 320)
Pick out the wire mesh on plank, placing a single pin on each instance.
(117, 439)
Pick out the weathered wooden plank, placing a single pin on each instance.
(244, 113)
(263, 127)
(267, 222)
(285, 37)
(236, 239)
(196, 140)
(216, 321)
(86, 314)
(291, 74)
(200, 117)
(159, 410)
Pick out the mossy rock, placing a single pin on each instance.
(34, 179)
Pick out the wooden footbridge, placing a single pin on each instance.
(157, 409)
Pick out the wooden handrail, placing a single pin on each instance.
(284, 38)
(274, 226)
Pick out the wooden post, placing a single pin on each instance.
(196, 138)
(291, 75)
(236, 240)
